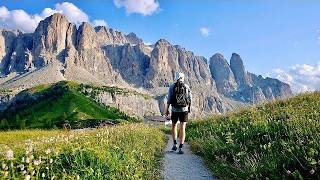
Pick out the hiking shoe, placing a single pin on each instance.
(180, 151)
(174, 148)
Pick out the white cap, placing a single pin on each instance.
(179, 76)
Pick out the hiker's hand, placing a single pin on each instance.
(167, 113)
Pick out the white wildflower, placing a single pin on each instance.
(51, 161)
(9, 154)
(24, 172)
(28, 177)
(47, 168)
(36, 162)
(43, 175)
(3, 165)
(27, 160)
(6, 173)
(48, 151)
(22, 167)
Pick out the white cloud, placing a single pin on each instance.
(19, 19)
(144, 7)
(205, 32)
(99, 22)
(301, 77)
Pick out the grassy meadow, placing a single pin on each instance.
(278, 140)
(50, 106)
(128, 151)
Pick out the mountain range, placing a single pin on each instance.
(59, 50)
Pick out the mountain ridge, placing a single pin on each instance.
(58, 50)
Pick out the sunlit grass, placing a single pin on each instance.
(279, 140)
(16, 136)
(131, 151)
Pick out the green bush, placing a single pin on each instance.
(279, 140)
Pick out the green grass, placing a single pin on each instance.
(48, 106)
(19, 136)
(132, 151)
(279, 140)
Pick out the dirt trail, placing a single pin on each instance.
(185, 166)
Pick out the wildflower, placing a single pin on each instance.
(51, 161)
(24, 172)
(3, 166)
(36, 162)
(48, 151)
(6, 173)
(43, 175)
(9, 154)
(27, 160)
(22, 167)
(312, 171)
(47, 168)
(288, 172)
(27, 177)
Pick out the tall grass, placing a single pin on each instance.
(279, 140)
(130, 151)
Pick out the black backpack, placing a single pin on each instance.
(180, 96)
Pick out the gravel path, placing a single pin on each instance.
(185, 166)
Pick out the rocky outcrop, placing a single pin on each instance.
(222, 74)
(7, 43)
(235, 82)
(240, 74)
(58, 50)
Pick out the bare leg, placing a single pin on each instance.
(174, 131)
(182, 132)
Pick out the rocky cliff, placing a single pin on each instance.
(58, 50)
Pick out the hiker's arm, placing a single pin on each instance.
(169, 100)
(190, 100)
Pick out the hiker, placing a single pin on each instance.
(179, 97)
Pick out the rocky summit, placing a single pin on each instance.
(59, 50)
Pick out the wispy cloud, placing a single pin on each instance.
(301, 77)
(99, 22)
(205, 32)
(19, 19)
(144, 7)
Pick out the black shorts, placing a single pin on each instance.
(179, 116)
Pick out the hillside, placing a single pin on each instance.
(48, 106)
(278, 140)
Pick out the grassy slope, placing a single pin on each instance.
(19, 136)
(131, 151)
(279, 140)
(60, 101)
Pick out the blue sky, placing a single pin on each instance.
(270, 35)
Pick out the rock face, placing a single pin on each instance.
(222, 74)
(58, 50)
(240, 74)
